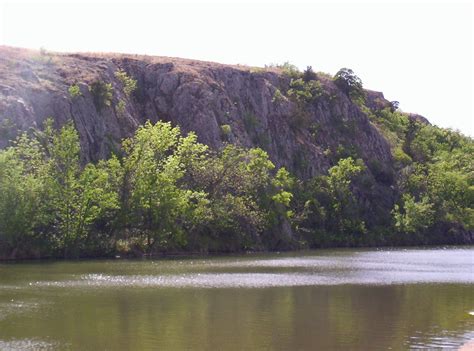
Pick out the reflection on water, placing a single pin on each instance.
(438, 339)
(342, 299)
(27, 345)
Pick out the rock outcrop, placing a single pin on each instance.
(198, 96)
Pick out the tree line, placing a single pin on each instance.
(166, 192)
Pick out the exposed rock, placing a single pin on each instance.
(375, 100)
(418, 118)
(198, 96)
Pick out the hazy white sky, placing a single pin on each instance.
(419, 53)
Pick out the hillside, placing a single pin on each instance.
(306, 122)
(198, 96)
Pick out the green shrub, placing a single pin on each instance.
(290, 70)
(226, 129)
(413, 216)
(74, 91)
(401, 158)
(309, 74)
(305, 92)
(102, 94)
(298, 90)
(129, 84)
(121, 107)
(278, 96)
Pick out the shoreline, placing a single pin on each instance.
(193, 255)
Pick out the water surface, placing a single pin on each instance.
(338, 299)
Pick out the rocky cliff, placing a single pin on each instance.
(198, 96)
(221, 103)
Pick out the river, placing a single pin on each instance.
(355, 299)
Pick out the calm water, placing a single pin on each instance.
(341, 299)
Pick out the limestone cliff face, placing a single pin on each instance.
(198, 96)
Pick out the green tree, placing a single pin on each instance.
(154, 162)
(329, 214)
(309, 74)
(343, 207)
(245, 199)
(232, 178)
(413, 216)
(21, 189)
(442, 177)
(349, 83)
(75, 198)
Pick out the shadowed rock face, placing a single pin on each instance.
(198, 96)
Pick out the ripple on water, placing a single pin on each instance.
(256, 280)
(362, 268)
(205, 280)
(14, 307)
(440, 340)
(28, 344)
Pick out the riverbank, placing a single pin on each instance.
(221, 254)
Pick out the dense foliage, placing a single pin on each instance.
(166, 192)
(435, 177)
(349, 83)
(438, 184)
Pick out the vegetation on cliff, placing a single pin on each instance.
(166, 192)
(352, 169)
